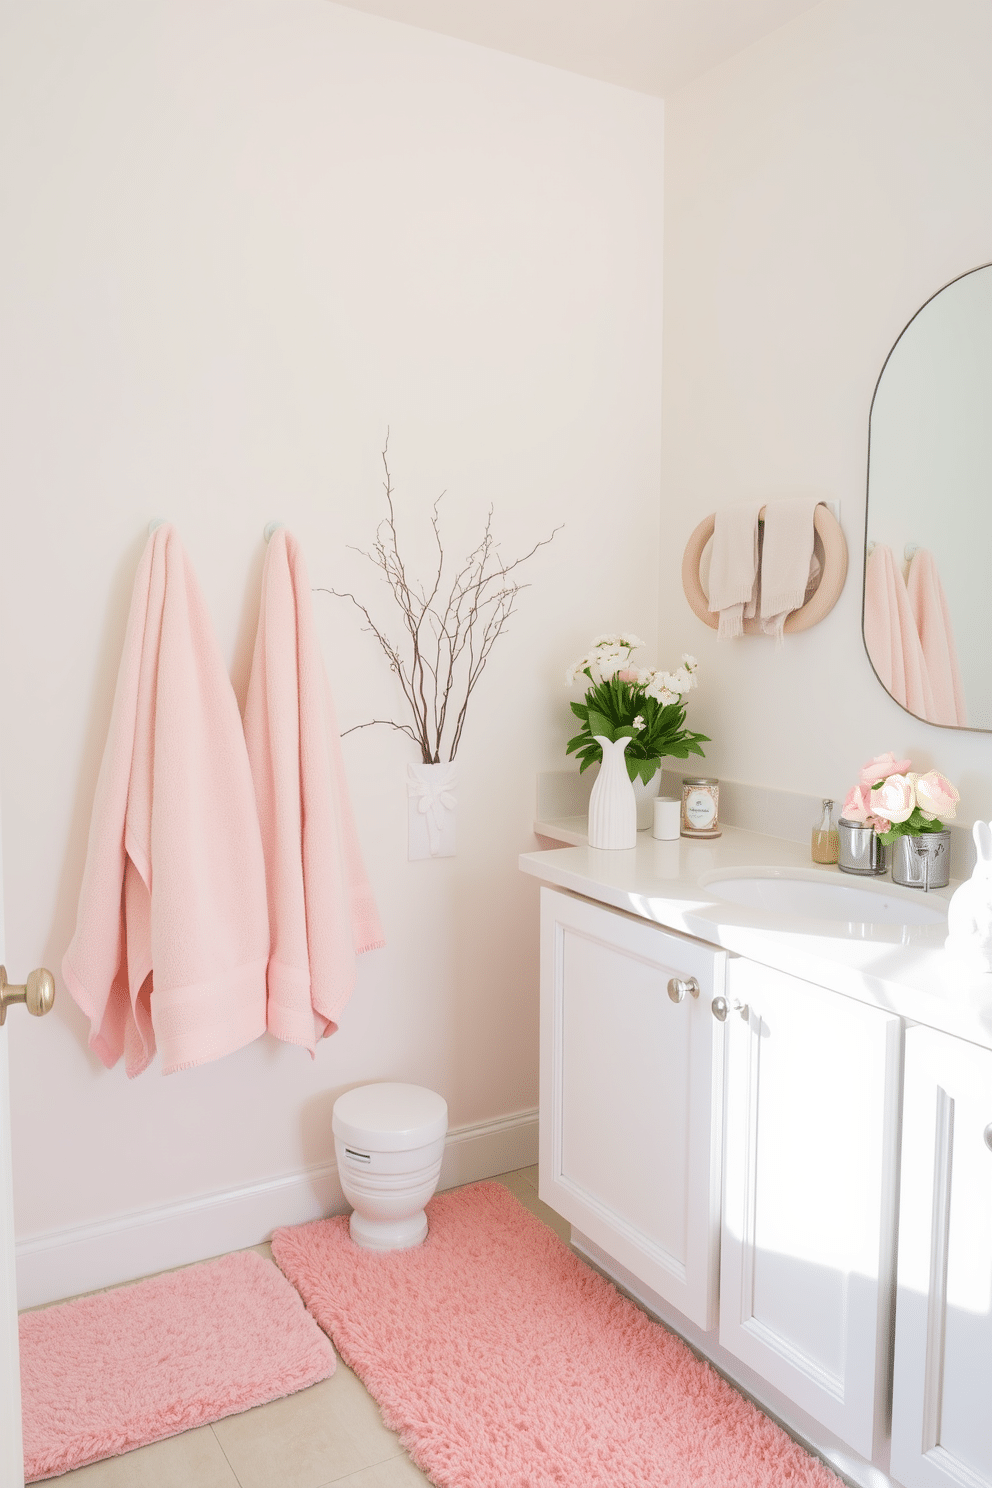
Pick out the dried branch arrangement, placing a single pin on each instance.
(444, 642)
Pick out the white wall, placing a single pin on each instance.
(818, 188)
(240, 240)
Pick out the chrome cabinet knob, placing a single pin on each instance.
(721, 1007)
(677, 988)
(38, 993)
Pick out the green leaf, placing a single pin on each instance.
(609, 709)
(598, 723)
(914, 826)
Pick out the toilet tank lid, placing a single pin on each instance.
(389, 1117)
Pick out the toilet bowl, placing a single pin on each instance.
(389, 1141)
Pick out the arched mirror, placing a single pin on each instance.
(927, 615)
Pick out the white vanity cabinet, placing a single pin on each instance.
(942, 1387)
(809, 1195)
(631, 1090)
(742, 1176)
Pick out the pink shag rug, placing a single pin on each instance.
(107, 1373)
(504, 1361)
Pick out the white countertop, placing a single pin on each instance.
(900, 968)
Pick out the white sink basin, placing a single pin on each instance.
(822, 896)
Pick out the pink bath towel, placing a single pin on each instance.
(933, 624)
(172, 933)
(891, 637)
(321, 911)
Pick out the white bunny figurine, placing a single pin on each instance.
(969, 914)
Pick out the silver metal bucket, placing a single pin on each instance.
(859, 850)
(922, 862)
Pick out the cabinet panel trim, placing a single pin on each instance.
(937, 1297)
(689, 1275)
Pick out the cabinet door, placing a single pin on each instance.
(809, 1187)
(942, 1389)
(630, 1095)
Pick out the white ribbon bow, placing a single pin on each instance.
(434, 796)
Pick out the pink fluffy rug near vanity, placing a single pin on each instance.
(117, 1370)
(502, 1359)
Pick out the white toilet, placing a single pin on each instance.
(389, 1141)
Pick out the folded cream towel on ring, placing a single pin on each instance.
(172, 932)
(321, 911)
(786, 557)
(734, 566)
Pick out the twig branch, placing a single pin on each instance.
(447, 641)
(402, 728)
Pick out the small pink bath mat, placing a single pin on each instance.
(504, 1361)
(114, 1371)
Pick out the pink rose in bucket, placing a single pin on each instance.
(897, 802)
(935, 796)
(880, 768)
(856, 807)
(894, 798)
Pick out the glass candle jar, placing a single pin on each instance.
(700, 806)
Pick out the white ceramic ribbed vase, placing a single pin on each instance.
(612, 806)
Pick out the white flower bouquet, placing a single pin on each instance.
(643, 704)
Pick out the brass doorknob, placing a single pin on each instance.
(38, 993)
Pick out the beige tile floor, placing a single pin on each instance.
(329, 1434)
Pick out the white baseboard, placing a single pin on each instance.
(63, 1263)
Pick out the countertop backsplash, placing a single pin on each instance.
(563, 797)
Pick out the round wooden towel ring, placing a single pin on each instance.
(816, 607)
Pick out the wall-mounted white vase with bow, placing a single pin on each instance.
(612, 805)
(432, 810)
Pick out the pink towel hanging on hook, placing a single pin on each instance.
(891, 637)
(933, 625)
(321, 911)
(172, 933)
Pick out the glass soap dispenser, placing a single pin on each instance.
(825, 843)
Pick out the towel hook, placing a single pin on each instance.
(270, 528)
(154, 523)
(909, 550)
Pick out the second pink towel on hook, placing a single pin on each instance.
(322, 915)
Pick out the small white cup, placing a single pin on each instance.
(667, 812)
